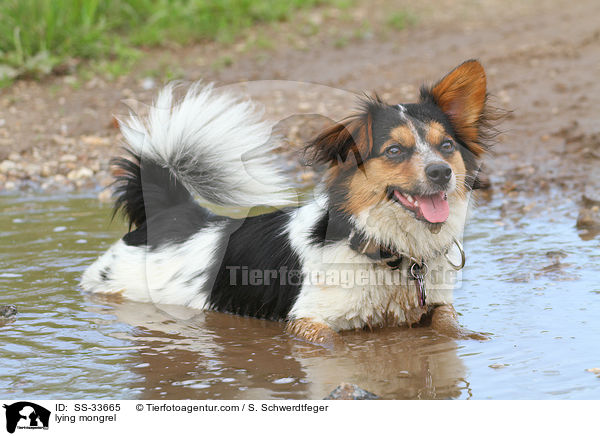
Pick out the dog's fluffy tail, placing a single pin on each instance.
(208, 144)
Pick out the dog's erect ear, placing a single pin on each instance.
(346, 142)
(461, 94)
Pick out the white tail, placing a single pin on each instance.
(216, 145)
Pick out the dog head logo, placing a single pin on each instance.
(26, 415)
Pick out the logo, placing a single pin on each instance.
(26, 415)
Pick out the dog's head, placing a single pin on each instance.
(407, 169)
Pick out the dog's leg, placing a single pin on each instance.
(444, 320)
(316, 332)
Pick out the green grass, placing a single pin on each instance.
(38, 35)
(401, 19)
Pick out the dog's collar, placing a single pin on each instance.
(417, 268)
(364, 245)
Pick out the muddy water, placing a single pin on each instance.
(530, 279)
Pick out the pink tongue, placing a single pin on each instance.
(434, 208)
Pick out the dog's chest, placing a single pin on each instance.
(346, 290)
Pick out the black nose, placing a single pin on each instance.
(439, 173)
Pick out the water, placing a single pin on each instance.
(530, 279)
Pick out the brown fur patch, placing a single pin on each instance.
(458, 166)
(367, 188)
(388, 319)
(435, 133)
(403, 136)
(444, 320)
(461, 94)
(315, 332)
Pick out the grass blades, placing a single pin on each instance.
(38, 35)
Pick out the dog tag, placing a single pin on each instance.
(416, 271)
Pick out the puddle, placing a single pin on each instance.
(530, 280)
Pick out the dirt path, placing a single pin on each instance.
(542, 59)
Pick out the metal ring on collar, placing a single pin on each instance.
(424, 266)
(462, 256)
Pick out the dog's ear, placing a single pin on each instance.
(348, 142)
(461, 95)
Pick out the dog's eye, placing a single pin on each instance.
(447, 147)
(396, 151)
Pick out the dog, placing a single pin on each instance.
(369, 249)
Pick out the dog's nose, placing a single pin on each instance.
(438, 173)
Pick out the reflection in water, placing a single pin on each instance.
(185, 354)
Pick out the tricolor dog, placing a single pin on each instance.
(369, 249)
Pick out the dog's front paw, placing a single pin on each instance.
(444, 321)
(316, 333)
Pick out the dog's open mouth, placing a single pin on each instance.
(431, 208)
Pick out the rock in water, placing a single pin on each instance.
(347, 391)
(8, 311)
(589, 214)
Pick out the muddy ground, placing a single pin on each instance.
(542, 61)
